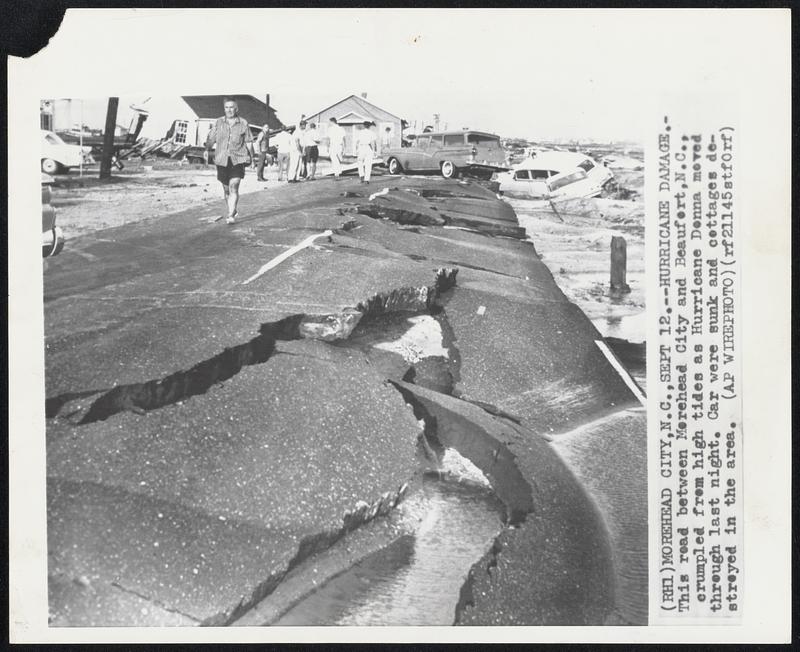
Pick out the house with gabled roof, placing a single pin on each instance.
(354, 110)
(185, 120)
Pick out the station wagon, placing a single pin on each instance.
(448, 152)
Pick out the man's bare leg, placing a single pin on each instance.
(232, 197)
(226, 191)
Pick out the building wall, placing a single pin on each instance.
(380, 117)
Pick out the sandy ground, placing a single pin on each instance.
(574, 241)
(143, 189)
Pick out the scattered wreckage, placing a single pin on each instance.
(553, 174)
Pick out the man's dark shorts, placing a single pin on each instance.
(312, 154)
(227, 172)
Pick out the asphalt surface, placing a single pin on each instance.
(205, 434)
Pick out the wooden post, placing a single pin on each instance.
(619, 262)
(108, 137)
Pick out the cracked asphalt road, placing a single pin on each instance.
(188, 509)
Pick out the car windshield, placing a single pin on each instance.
(52, 139)
(483, 139)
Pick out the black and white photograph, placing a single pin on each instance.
(357, 335)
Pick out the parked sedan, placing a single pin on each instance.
(58, 156)
(448, 152)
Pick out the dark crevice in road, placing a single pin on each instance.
(119, 587)
(309, 546)
(197, 380)
(54, 405)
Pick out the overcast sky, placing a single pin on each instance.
(530, 73)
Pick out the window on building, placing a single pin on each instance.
(181, 129)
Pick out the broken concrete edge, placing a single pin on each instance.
(490, 455)
(198, 379)
(308, 547)
(447, 427)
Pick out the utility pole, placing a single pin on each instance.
(108, 138)
(436, 122)
(80, 140)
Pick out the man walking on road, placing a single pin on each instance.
(234, 149)
(336, 147)
(365, 151)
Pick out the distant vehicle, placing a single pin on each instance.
(57, 156)
(448, 152)
(52, 235)
(552, 174)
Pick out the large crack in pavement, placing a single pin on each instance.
(551, 563)
(197, 380)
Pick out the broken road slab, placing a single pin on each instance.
(245, 420)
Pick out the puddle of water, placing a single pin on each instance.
(416, 580)
(626, 327)
(423, 338)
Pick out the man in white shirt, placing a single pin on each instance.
(296, 153)
(336, 146)
(365, 151)
(311, 150)
(283, 141)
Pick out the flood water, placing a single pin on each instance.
(416, 580)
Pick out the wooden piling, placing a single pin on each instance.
(619, 262)
(108, 138)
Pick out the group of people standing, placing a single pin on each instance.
(298, 152)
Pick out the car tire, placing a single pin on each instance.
(449, 170)
(393, 165)
(49, 166)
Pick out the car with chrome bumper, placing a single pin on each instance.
(449, 153)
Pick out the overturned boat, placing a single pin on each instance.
(553, 174)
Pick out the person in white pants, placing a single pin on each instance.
(365, 151)
(336, 147)
(295, 155)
